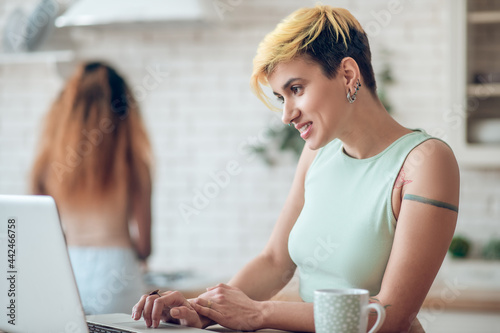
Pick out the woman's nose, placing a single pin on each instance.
(284, 118)
(289, 113)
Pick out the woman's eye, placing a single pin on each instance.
(281, 99)
(296, 89)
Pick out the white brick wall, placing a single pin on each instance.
(199, 115)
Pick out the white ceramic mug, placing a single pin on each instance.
(345, 311)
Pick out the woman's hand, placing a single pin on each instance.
(230, 307)
(170, 306)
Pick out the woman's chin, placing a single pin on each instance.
(312, 145)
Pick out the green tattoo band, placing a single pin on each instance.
(436, 203)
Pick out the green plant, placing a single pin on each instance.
(492, 249)
(384, 79)
(459, 247)
(282, 139)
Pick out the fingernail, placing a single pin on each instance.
(133, 315)
(155, 323)
(174, 312)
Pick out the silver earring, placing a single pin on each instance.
(352, 98)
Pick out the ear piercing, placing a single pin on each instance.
(352, 98)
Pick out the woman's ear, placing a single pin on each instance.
(350, 72)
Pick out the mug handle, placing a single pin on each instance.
(380, 316)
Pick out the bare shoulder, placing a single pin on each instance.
(433, 171)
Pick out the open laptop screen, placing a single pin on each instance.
(38, 292)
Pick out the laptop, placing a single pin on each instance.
(38, 291)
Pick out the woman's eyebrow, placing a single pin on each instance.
(287, 83)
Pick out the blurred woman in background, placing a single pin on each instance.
(95, 160)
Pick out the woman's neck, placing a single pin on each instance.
(370, 129)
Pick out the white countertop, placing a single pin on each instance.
(440, 321)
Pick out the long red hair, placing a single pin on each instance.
(94, 142)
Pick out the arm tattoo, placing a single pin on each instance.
(376, 300)
(432, 202)
(401, 181)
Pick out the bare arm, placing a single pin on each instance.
(38, 176)
(141, 220)
(424, 231)
(258, 280)
(264, 276)
(253, 315)
(269, 272)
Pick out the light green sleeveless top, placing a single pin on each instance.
(344, 234)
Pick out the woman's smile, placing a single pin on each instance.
(304, 129)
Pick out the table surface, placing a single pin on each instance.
(221, 329)
(218, 328)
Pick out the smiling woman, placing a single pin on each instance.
(373, 204)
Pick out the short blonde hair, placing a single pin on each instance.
(324, 34)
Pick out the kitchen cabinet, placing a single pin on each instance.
(473, 118)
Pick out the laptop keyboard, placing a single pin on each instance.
(94, 328)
